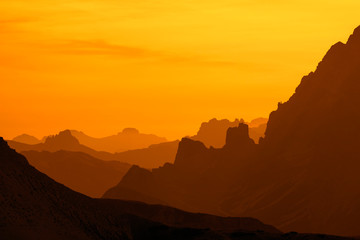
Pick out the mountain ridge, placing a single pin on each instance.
(301, 176)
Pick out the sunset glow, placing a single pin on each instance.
(160, 66)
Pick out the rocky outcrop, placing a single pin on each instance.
(238, 138)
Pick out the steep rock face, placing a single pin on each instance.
(238, 137)
(310, 155)
(324, 108)
(312, 146)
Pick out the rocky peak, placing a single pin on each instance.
(188, 148)
(238, 137)
(64, 138)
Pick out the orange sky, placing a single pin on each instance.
(158, 65)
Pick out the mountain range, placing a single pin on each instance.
(33, 206)
(128, 139)
(302, 176)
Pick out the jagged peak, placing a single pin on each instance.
(355, 37)
(62, 138)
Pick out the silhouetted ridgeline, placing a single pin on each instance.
(33, 206)
(153, 156)
(128, 139)
(304, 174)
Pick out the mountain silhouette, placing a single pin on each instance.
(213, 132)
(197, 180)
(33, 206)
(257, 122)
(151, 157)
(302, 176)
(128, 139)
(62, 141)
(78, 171)
(27, 139)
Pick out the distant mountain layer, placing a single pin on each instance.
(79, 171)
(25, 138)
(33, 206)
(128, 139)
(151, 157)
(213, 132)
(303, 175)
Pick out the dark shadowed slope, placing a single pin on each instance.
(79, 171)
(313, 144)
(303, 176)
(33, 206)
(25, 138)
(128, 139)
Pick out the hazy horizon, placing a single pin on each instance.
(157, 66)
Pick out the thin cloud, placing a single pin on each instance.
(19, 20)
(100, 47)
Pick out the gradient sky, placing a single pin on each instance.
(158, 65)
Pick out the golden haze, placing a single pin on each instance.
(160, 66)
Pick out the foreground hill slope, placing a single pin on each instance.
(302, 176)
(33, 206)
